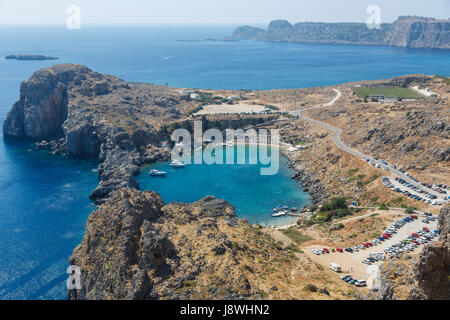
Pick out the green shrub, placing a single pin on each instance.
(410, 210)
(383, 206)
(310, 288)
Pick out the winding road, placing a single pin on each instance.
(338, 142)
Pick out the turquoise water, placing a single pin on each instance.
(44, 198)
(254, 195)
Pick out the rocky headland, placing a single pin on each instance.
(72, 109)
(406, 31)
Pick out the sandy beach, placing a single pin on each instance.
(230, 108)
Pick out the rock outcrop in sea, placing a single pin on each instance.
(406, 31)
(29, 57)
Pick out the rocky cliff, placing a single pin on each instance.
(136, 247)
(432, 270)
(412, 32)
(419, 32)
(88, 114)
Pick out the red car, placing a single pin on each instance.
(415, 235)
(326, 250)
(413, 216)
(339, 250)
(426, 229)
(414, 241)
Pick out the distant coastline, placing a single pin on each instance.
(406, 31)
(29, 57)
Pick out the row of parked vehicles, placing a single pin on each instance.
(429, 217)
(411, 242)
(326, 250)
(387, 234)
(436, 187)
(373, 257)
(350, 280)
(431, 198)
(416, 189)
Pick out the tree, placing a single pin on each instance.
(409, 210)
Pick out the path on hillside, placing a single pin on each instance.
(338, 142)
(382, 212)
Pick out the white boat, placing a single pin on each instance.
(280, 208)
(158, 173)
(177, 164)
(279, 213)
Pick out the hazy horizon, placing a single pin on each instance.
(231, 12)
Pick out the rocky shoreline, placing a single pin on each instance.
(310, 183)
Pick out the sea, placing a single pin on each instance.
(44, 200)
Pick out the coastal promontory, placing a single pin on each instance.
(406, 31)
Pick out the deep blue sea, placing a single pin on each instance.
(44, 198)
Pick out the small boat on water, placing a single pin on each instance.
(279, 213)
(280, 208)
(157, 173)
(177, 164)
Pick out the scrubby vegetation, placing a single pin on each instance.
(334, 209)
(296, 235)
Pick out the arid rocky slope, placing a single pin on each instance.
(136, 247)
(414, 135)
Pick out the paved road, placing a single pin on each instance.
(382, 212)
(337, 140)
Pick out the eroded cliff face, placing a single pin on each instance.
(419, 32)
(136, 247)
(432, 270)
(41, 109)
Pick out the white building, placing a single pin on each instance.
(233, 98)
(194, 96)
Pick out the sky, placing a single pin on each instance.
(213, 11)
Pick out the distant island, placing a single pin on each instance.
(30, 57)
(406, 31)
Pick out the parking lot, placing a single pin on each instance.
(351, 263)
(413, 192)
